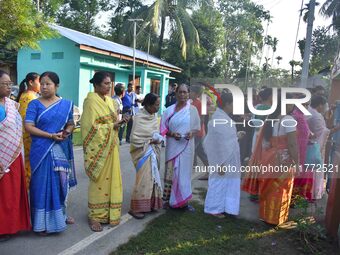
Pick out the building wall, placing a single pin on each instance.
(67, 66)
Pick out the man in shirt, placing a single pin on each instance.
(129, 102)
(170, 99)
(139, 99)
(119, 92)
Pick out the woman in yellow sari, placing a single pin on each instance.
(28, 91)
(276, 147)
(99, 130)
(145, 152)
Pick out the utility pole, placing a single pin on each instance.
(134, 47)
(306, 56)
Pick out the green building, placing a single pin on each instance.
(76, 56)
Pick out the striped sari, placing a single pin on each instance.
(52, 165)
(147, 192)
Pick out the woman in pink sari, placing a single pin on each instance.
(303, 183)
(179, 123)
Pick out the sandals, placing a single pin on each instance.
(137, 216)
(70, 220)
(95, 226)
(219, 215)
(4, 238)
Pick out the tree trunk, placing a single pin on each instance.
(161, 37)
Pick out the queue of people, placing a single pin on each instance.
(44, 173)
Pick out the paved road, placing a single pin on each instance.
(79, 233)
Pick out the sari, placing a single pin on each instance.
(101, 155)
(25, 99)
(222, 148)
(179, 154)
(14, 207)
(303, 183)
(147, 192)
(318, 127)
(250, 182)
(52, 166)
(275, 189)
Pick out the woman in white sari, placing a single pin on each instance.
(179, 123)
(223, 151)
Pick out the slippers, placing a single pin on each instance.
(95, 226)
(137, 216)
(219, 215)
(70, 220)
(189, 208)
(4, 238)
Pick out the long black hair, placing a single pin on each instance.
(25, 83)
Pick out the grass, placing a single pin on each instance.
(177, 232)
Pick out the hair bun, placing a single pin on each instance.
(91, 81)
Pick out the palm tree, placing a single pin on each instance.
(331, 8)
(278, 58)
(275, 41)
(306, 9)
(293, 63)
(175, 12)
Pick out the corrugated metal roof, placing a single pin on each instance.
(99, 43)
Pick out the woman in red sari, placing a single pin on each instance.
(14, 212)
(276, 147)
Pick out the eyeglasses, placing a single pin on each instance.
(7, 84)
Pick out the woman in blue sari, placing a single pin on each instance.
(49, 120)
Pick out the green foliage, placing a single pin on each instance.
(323, 49)
(309, 232)
(80, 14)
(202, 61)
(21, 25)
(49, 7)
(331, 8)
(243, 34)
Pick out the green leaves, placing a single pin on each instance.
(21, 25)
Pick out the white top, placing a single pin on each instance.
(287, 127)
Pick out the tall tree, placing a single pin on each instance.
(119, 27)
(331, 8)
(323, 49)
(278, 58)
(274, 47)
(80, 14)
(49, 7)
(243, 34)
(203, 61)
(172, 14)
(21, 25)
